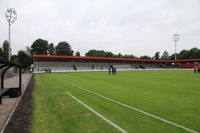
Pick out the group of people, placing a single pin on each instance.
(48, 70)
(197, 69)
(112, 70)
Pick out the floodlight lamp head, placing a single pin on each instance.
(11, 15)
(176, 37)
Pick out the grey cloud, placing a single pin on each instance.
(136, 27)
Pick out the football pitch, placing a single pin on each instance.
(143, 101)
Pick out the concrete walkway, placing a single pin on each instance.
(9, 103)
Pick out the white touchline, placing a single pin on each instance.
(98, 114)
(131, 107)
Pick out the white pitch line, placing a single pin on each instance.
(133, 108)
(98, 114)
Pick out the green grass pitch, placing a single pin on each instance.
(172, 95)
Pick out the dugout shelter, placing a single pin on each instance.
(5, 65)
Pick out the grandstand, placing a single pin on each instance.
(55, 63)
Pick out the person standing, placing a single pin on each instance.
(195, 69)
(109, 70)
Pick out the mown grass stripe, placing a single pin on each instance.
(98, 114)
(133, 108)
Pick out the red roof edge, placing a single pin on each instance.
(111, 58)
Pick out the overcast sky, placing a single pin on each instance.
(138, 27)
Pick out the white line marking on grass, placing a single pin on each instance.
(131, 107)
(98, 114)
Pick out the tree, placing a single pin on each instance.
(14, 58)
(165, 55)
(51, 49)
(129, 56)
(91, 53)
(119, 55)
(145, 57)
(21, 56)
(192, 52)
(184, 54)
(2, 54)
(172, 57)
(28, 51)
(63, 48)
(5, 48)
(24, 59)
(108, 54)
(39, 47)
(77, 54)
(189, 54)
(197, 53)
(99, 53)
(157, 55)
